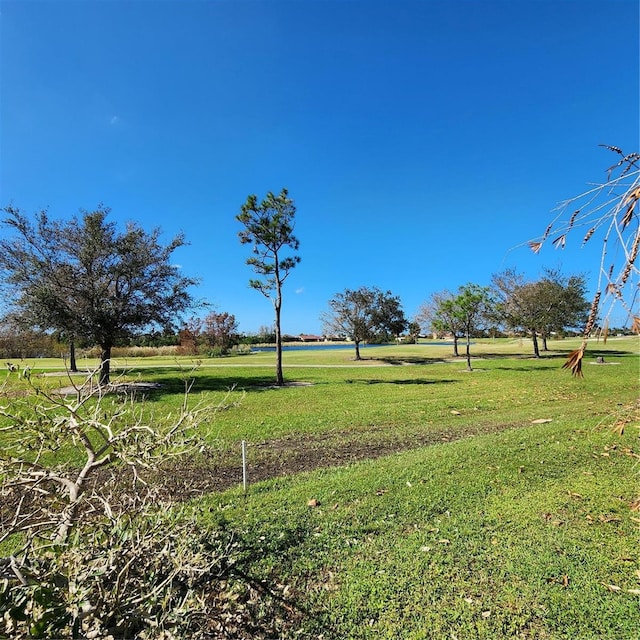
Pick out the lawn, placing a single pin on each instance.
(404, 497)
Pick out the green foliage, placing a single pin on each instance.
(365, 314)
(552, 304)
(269, 226)
(85, 279)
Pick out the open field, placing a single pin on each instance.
(497, 503)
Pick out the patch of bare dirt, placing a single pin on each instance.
(269, 459)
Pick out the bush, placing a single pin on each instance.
(97, 551)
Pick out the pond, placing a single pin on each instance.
(327, 346)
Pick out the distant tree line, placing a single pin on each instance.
(85, 283)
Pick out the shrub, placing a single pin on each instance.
(97, 551)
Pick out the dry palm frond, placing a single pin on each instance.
(547, 232)
(593, 314)
(612, 148)
(574, 362)
(631, 200)
(560, 241)
(573, 218)
(535, 246)
(635, 326)
(631, 259)
(588, 235)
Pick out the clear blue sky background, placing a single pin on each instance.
(424, 142)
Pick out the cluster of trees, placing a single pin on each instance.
(86, 282)
(89, 284)
(552, 305)
(215, 334)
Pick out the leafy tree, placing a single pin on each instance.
(470, 308)
(269, 226)
(84, 278)
(436, 315)
(538, 308)
(215, 331)
(563, 303)
(414, 332)
(609, 208)
(220, 330)
(364, 314)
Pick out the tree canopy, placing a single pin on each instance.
(269, 226)
(436, 315)
(469, 309)
(551, 304)
(364, 314)
(89, 280)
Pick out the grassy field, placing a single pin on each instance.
(404, 497)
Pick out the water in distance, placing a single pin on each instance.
(326, 346)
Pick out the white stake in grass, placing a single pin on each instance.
(244, 466)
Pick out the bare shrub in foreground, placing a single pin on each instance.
(101, 555)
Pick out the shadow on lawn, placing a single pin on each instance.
(408, 381)
(411, 360)
(177, 383)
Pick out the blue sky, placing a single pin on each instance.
(424, 142)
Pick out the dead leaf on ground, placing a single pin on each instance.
(313, 503)
(455, 413)
(541, 421)
(609, 518)
(562, 580)
(611, 587)
(635, 505)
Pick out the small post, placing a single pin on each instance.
(244, 466)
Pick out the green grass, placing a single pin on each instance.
(471, 539)
(501, 528)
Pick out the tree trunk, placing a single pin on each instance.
(455, 345)
(357, 344)
(536, 348)
(73, 367)
(468, 353)
(544, 343)
(105, 364)
(279, 374)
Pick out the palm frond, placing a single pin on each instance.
(574, 362)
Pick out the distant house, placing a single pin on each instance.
(309, 337)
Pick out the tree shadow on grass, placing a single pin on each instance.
(175, 383)
(411, 360)
(368, 381)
